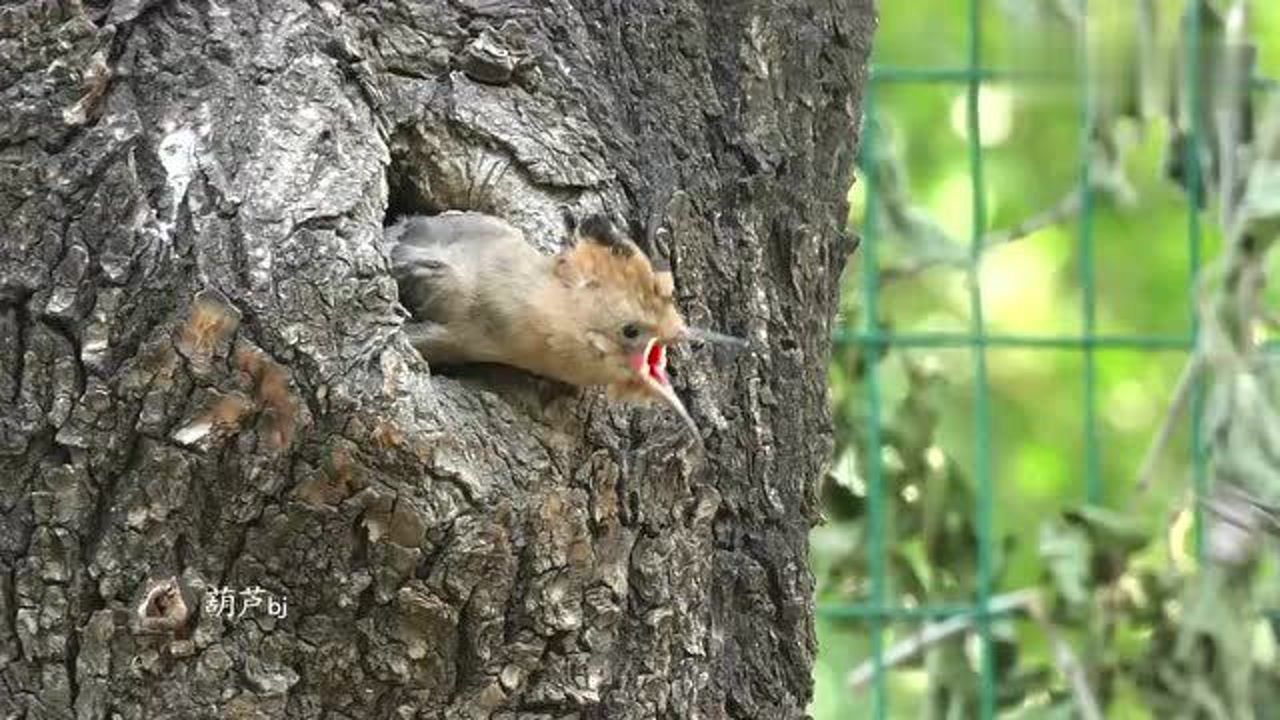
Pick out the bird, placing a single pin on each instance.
(596, 313)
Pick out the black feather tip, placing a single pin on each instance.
(597, 228)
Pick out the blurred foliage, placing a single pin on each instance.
(1109, 602)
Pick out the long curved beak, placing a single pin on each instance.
(697, 334)
(652, 368)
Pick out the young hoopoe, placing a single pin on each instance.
(595, 314)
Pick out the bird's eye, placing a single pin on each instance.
(631, 331)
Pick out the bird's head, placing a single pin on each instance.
(626, 310)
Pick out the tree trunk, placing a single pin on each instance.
(204, 392)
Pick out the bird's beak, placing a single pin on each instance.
(651, 366)
(697, 334)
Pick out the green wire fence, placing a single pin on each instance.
(878, 609)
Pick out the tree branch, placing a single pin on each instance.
(934, 633)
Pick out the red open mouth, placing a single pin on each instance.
(651, 366)
(655, 361)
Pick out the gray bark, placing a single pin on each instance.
(202, 376)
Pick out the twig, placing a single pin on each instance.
(1065, 658)
(1027, 600)
(1061, 211)
(1177, 406)
(1196, 364)
(1233, 82)
(1245, 267)
(934, 633)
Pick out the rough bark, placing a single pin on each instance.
(202, 376)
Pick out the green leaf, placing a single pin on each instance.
(1065, 550)
(1260, 207)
